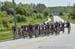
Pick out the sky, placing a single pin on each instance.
(48, 3)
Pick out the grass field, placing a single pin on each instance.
(6, 36)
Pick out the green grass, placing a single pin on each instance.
(68, 19)
(5, 29)
(6, 36)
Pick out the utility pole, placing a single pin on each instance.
(14, 13)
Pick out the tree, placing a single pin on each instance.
(61, 13)
(73, 12)
(45, 12)
(7, 7)
(40, 7)
(20, 9)
(24, 9)
(1, 5)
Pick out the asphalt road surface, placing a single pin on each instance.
(62, 41)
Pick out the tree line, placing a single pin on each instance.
(22, 10)
(36, 11)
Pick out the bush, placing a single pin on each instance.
(3, 14)
(61, 14)
(40, 16)
(5, 23)
(73, 15)
(50, 15)
(20, 18)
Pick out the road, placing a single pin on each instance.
(58, 19)
(49, 20)
(62, 41)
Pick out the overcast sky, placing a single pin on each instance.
(46, 2)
